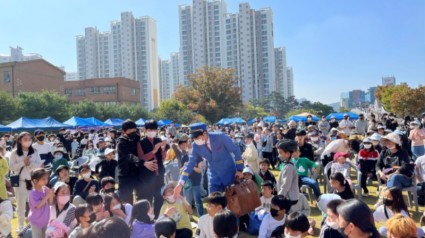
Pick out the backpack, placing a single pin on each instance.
(255, 220)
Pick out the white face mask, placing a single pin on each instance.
(86, 175)
(116, 207)
(367, 146)
(315, 139)
(170, 199)
(334, 225)
(199, 142)
(26, 144)
(290, 236)
(151, 134)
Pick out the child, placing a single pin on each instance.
(96, 203)
(183, 210)
(280, 206)
(265, 174)
(303, 166)
(225, 225)
(142, 220)
(39, 199)
(367, 162)
(287, 184)
(85, 217)
(296, 225)
(248, 174)
(165, 228)
(341, 165)
(341, 186)
(267, 192)
(117, 208)
(58, 158)
(108, 185)
(216, 202)
(107, 166)
(84, 186)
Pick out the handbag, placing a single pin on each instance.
(14, 179)
(242, 197)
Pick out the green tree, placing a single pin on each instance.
(249, 111)
(85, 108)
(343, 109)
(9, 107)
(173, 110)
(211, 93)
(43, 104)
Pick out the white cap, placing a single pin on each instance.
(108, 151)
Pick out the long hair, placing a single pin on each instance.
(19, 150)
(140, 212)
(398, 201)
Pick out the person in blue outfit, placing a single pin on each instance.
(223, 156)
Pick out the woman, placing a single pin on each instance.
(89, 151)
(400, 226)
(393, 203)
(23, 160)
(4, 170)
(331, 226)
(393, 159)
(355, 220)
(417, 136)
(367, 163)
(117, 208)
(63, 211)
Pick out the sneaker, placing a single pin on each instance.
(365, 194)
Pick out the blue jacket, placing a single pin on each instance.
(223, 162)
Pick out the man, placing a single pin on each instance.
(333, 123)
(172, 130)
(152, 151)
(306, 148)
(128, 161)
(345, 125)
(223, 157)
(267, 141)
(310, 121)
(361, 125)
(43, 149)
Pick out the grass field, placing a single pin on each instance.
(315, 213)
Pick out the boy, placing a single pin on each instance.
(303, 165)
(107, 166)
(267, 192)
(108, 185)
(95, 201)
(216, 202)
(264, 172)
(279, 207)
(287, 185)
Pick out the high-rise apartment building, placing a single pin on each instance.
(129, 50)
(169, 75)
(16, 55)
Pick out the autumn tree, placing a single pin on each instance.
(212, 92)
(173, 110)
(401, 99)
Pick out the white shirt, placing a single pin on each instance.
(62, 215)
(266, 203)
(420, 163)
(17, 162)
(335, 146)
(268, 225)
(205, 227)
(379, 214)
(43, 149)
(346, 126)
(6, 215)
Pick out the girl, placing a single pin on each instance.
(117, 208)
(23, 160)
(63, 211)
(341, 186)
(141, 222)
(225, 224)
(39, 199)
(85, 217)
(341, 165)
(393, 203)
(165, 228)
(367, 163)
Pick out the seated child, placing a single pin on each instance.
(276, 217)
(142, 220)
(225, 225)
(296, 225)
(267, 192)
(216, 202)
(341, 186)
(341, 165)
(95, 201)
(108, 185)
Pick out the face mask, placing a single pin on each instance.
(58, 156)
(367, 146)
(151, 134)
(274, 212)
(388, 203)
(86, 175)
(170, 199)
(391, 147)
(289, 236)
(151, 216)
(62, 200)
(110, 190)
(334, 225)
(199, 142)
(40, 138)
(92, 218)
(27, 144)
(116, 207)
(315, 139)
(132, 135)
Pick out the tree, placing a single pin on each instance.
(343, 109)
(85, 108)
(249, 111)
(43, 104)
(211, 93)
(9, 107)
(401, 99)
(173, 110)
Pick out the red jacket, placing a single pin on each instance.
(368, 155)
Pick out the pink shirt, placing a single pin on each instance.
(417, 136)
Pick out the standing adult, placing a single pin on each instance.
(361, 125)
(44, 150)
(267, 143)
(345, 125)
(333, 123)
(223, 157)
(128, 161)
(324, 126)
(417, 136)
(172, 130)
(152, 151)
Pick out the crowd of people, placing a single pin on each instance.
(152, 182)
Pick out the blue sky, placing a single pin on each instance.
(333, 46)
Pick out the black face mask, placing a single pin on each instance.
(274, 212)
(133, 135)
(110, 190)
(388, 203)
(92, 218)
(40, 138)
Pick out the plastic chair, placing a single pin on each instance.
(357, 188)
(78, 162)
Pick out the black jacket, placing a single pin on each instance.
(128, 161)
(307, 151)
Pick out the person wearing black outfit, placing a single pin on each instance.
(128, 162)
(291, 132)
(306, 148)
(310, 121)
(265, 174)
(107, 166)
(152, 151)
(333, 123)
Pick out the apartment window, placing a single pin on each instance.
(6, 77)
(68, 92)
(80, 92)
(109, 89)
(133, 92)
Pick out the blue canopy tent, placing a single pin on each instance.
(165, 122)
(228, 121)
(5, 128)
(115, 122)
(47, 123)
(140, 122)
(301, 118)
(340, 115)
(84, 122)
(270, 119)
